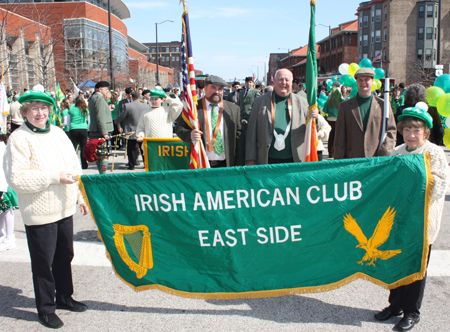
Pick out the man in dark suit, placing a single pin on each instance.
(359, 122)
(276, 130)
(128, 120)
(220, 126)
(247, 97)
(234, 96)
(120, 105)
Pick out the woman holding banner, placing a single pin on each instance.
(415, 125)
(40, 166)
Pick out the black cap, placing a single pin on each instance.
(145, 92)
(200, 84)
(249, 79)
(215, 80)
(102, 84)
(128, 90)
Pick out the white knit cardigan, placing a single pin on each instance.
(440, 170)
(157, 122)
(32, 163)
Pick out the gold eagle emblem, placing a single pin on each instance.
(380, 235)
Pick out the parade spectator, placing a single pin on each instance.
(234, 95)
(297, 87)
(39, 165)
(8, 92)
(220, 127)
(16, 117)
(79, 116)
(146, 97)
(438, 131)
(126, 100)
(246, 98)
(414, 94)
(157, 121)
(394, 92)
(101, 124)
(415, 125)
(64, 108)
(331, 108)
(8, 202)
(282, 142)
(128, 121)
(359, 122)
(268, 89)
(344, 92)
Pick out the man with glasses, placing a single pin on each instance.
(220, 126)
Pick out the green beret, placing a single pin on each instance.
(36, 95)
(365, 72)
(417, 113)
(157, 93)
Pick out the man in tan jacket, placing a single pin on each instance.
(359, 123)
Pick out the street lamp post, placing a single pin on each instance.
(110, 47)
(329, 38)
(157, 51)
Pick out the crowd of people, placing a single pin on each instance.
(251, 126)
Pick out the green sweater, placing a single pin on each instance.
(364, 106)
(281, 121)
(77, 119)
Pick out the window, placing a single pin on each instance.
(421, 11)
(419, 54)
(178, 58)
(385, 13)
(373, 14)
(385, 34)
(360, 40)
(429, 33)
(163, 59)
(420, 35)
(364, 56)
(428, 53)
(371, 36)
(360, 20)
(378, 36)
(435, 33)
(173, 59)
(173, 49)
(366, 21)
(178, 49)
(350, 39)
(365, 40)
(430, 11)
(153, 49)
(163, 49)
(378, 15)
(384, 55)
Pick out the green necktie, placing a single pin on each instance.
(218, 146)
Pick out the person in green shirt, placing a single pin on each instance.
(331, 108)
(65, 105)
(79, 116)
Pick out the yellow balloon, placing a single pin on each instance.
(353, 68)
(376, 85)
(447, 138)
(443, 105)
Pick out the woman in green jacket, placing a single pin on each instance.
(79, 115)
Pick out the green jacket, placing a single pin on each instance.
(246, 103)
(101, 120)
(77, 119)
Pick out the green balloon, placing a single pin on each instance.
(443, 105)
(365, 63)
(354, 92)
(443, 82)
(433, 95)
(379, 73)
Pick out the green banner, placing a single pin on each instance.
(266, 230)
(165, 154)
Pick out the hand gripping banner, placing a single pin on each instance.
(267, 230)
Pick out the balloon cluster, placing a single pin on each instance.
(439, 96)
(348, 72)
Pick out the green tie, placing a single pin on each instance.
(218, 146)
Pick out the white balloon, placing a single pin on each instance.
(343, 69)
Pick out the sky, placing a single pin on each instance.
(233, 39)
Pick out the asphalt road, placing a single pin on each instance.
(113, 306)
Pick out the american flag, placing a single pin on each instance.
(198, 158)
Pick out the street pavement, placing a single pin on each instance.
(113, 306)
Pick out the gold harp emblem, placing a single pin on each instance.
(138, 239)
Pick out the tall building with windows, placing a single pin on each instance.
(169, 54)
(79, 38)
(402, 37)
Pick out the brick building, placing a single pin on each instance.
(274, 65)
(169, 56)
(79, 37)
(405, 35)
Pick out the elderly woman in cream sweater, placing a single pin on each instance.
(40, 165)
